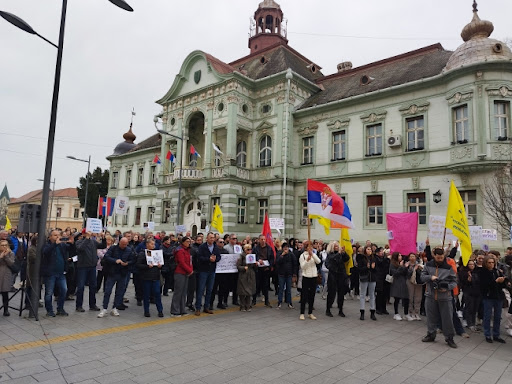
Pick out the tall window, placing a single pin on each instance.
(166, 212)
(415, 133)
(416, 202)
(262, 209)
(338, 145)
(374, 140)
(375, 210)
(217, 157)
(501, 111)
(307, 150)
(241, 154)
(59, 212)
(469, 199)
(140, 176)
(265, 151)
(152, 175)
(242, 211)
(461, 124)
(137, 216)
(151, 213)
(128, 178)
(76, 213)
(215, 200)
(115, 180)
(125, 217)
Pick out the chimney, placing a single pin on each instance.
(344, 66)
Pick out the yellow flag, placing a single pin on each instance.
(7, 223)
(457, 221)
(345, 242)
(217, 219)
(326, 223)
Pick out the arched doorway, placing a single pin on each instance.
(192, 217)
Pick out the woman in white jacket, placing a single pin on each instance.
(308, 261)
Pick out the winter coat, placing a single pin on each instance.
(55, 259)
(183, 261)
(489, 287)
(286, 264)
(470, 288)
(399, 286)
(335, 263)
(381, 270)
(203, 258)
(246, 285)
(5, 272)
(366, 274)
(126, 255)
(309, 267)
(440, 289)
(146, 273)
(87, 252)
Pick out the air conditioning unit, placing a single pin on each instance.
(304, 221)
(395, 141)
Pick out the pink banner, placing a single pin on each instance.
(402, 232)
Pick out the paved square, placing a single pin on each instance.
(265, 345)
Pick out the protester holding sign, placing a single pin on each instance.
(150, 276)
(246, 286)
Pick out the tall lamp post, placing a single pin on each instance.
(162, 132)
(51, 204)
(21, 24)
(86, 185)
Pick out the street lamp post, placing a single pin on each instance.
(162, 132)
(19, 23)
(51, 203)
(86, 185)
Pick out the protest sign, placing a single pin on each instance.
(489, 235)
(181, 229)
(402, 232)
(148, 226)
(250, 258)
(276, 223)
(93, 225)
(436, 228)
(227, 263)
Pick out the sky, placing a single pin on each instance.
(115, 61)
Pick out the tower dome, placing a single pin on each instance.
(128, 143)
(477, 46)
(267, 28)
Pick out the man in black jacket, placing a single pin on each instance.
(337, 278)
(208, 255)
(264, 255)
(87, 253)
(194, 248)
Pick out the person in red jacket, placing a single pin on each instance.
(182, 272)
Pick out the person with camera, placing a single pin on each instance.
(440, 281)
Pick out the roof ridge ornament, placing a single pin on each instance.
(477, 28)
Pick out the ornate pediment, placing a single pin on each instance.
(374, 116)
(501, 91)
(414, 108)
(460, 97)
(342, 122)
(265, 125)
(307, 131)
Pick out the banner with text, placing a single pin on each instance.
(227, 263)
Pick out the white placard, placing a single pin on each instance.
(276, 223)
(489, 234)
(421, 246)
(148, 226)
(155, 257)
(75, 259)
(250, 258)
(181, 228)
(227, 263)
(237, 248)
(475, 231)
(436, 228)
(390, 235)
(122, 203)
(93, 225)
(265, 264)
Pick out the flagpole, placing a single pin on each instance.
(444, 236)
(309, 229)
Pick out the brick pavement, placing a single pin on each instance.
(265, 345)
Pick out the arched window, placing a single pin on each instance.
(265, 151)
(269, 24)
(241, 154)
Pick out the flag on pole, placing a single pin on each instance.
(216, 149)
(217, 219)
(156, 160)
(8, 224)
(326, 206)
(110, 205)
(102, 206)
(170, 157)
(456, 220)
(193, 151)
(267, 232)
(345, 242)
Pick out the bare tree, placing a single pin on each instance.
(508, 42)
(498, 200)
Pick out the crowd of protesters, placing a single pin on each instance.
(455, 299)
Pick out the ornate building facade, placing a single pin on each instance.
(386, 136)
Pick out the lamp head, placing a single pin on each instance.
(122, 4)
(18, 22)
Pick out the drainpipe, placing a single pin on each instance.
(289, 77)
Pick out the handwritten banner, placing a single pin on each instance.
(436, 228)
(227, 263)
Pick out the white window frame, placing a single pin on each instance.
(265, 153)
(140, 177)
(307, 150)
(128, 178)
(242, 211)
(470, 203)
(262, 209)
(241, 154)
(152, 175)
(461, 130)
(414, 204)
(115, 180)
(415, 130)
(374, 139)
(339, 145)
(501, 119)
(372, 211)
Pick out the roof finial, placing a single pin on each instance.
(475, 5)
(477, 28)
(129, 136)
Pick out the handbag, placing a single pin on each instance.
(389, 276)
(414, 277)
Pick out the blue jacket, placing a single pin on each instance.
(203, 258)
(115, 252)
(51, 264)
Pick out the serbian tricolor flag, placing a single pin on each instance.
(193, 151)
(170, 157)
(266, 231)
(102, 206)
(111, 202)
(326, 206)
(156, 160)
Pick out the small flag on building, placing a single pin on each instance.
(193, 151)
(156, 160)
(216, 149)
(170, 157)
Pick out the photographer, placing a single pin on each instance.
(440, 280)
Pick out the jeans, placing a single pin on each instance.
(285, 281)
(152, 288)
(204, 280)
(119, 280)
(307, 295)
(489, 306)
(362, 292)
(50, 282)
(82, 275)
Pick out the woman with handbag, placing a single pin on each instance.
(366, 265)
(6, 261)
(398, 270)
(415, 289)
(308, 261)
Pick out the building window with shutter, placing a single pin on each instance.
(416, 202)
(375, 210)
